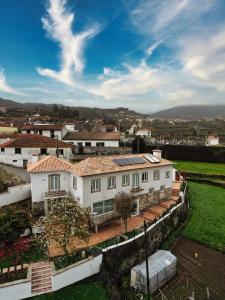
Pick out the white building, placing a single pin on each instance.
(143, 132)
(95, 181)
(93, 139)
(212, 140)
(49, 130)
(22, 149)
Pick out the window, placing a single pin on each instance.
(43, 151)
(151, 191)
(28, 131)
(74, 182)
(144, 177)
(60, 151)
(95, 185)
(111, 182)
(2, 149)
(88, 144)
(135, 180)
(98, 208)
(52, 134)
(40, 132)
(125, 180)
(54, 183)
(156, 174)
(103, 207)
(100, 144)
(108, 205)
(167, 174)
(162, 188)
(17, 150)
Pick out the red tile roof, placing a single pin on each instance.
(42, 127)
(49, 164)
(107, 136)
(34, 141)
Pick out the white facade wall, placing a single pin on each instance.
(15, 194)
(9, 157)
(45, 132)
(40, 184)
(94, 142)
(16, 290)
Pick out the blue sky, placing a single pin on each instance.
(143, 54)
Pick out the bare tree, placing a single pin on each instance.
(124, 204)
(65, 218)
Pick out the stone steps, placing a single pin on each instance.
(41, 278)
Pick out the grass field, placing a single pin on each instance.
(207, 222)
(80, 291)
(200, 167)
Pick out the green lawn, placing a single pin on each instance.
(200, 167)
(80, 291)
(207, 215)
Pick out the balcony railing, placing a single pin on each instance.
(55, 194)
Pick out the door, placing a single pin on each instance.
(54, 183)
(25, 161)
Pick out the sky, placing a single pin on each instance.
(147, 55)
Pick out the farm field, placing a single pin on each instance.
(200, 167)
(206, 217)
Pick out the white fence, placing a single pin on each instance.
(15, 194)
(22, 289)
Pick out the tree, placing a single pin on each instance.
(65, 219)
(124, 205)
(13, 222)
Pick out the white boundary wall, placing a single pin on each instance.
(15, 194)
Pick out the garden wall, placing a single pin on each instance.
(15, 194)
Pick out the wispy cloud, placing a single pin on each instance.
(58, 24)
(4, 86)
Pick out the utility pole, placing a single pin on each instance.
(146, 258)
(57, 146)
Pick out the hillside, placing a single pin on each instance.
(82, 112)
(192, 112)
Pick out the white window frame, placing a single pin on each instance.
(135, 180)
(111, 182)
(126, 180)
(74, 182)
(144, 176)
(156, 174)
(96, 185)
(55, 184)
(103, 204)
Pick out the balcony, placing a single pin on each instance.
(55, 194)
(137, 189)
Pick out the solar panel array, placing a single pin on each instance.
(153, 159)
(128, 161)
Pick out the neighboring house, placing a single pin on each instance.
(93, 139)
(212, 140)
(21, 150)
(7, 129)
(49, 130)
(104, 128)
(95, 181)
(4, 137)
(3, 109)
(143, 132)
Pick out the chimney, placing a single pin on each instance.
(157, 153)
(34, 159)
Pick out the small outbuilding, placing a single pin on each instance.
(162, 267)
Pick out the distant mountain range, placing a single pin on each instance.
(83, 112)
(192, 112)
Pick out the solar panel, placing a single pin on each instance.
(128, 161)
(153, 159)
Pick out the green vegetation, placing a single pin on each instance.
(200, 167)
(91, 290)
(207, 211)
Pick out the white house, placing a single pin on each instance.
(212, 140)
(49, 130)
(93, 139)
(143, 132)
(95, 181)
(24, 147)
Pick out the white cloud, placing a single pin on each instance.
(4, 86)
(160, 17)
(58, 23)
